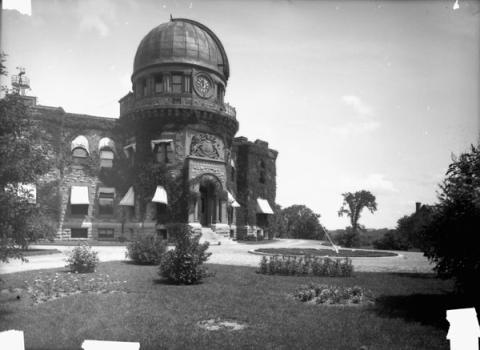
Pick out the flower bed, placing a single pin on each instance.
(305, 266)
(333, 295)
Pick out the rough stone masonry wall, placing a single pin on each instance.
(59, 129)
(249, 187)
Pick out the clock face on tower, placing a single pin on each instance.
(203, 86)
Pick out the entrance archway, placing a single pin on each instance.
(208, 205)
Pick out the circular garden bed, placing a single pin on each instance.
(342, 253)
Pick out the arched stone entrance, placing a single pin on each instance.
(210, 201)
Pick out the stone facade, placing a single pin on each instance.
(175, 134)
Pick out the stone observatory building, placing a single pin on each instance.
(170, 157)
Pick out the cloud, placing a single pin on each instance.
(22, 6)
(358, 105)
(360, 121)
(97, 16)
(375, 182)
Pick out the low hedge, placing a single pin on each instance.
(306, 266)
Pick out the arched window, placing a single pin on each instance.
(79, 148)
(106, 147)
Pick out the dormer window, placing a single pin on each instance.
(158, 83)
(177, 84)
(106, 147)
(163, 150)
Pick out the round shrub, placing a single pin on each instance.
(146, 250)
(183, 265)
(82, 259)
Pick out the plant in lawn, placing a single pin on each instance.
(146, 250)
(82, 259)
(328, 294)
(183, 265)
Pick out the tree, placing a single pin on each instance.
(408, 232)
(301, 222)
(353, 205)
(450, 239)
(22, 159)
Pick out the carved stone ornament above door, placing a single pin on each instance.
(206, 146)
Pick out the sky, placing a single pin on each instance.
(354, 95)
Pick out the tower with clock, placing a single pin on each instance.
(179, 78)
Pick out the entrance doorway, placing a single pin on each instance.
(208, 207)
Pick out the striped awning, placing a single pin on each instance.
(80, 142)
(128, 199)
(106, 142)
(79, 195)
(160, 195)
(232, 202)
(264, 206)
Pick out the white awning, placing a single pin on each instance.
(264, 206)
(28, 191)
(232, 202)
(79, 195)
(132, 146)
(129, 198)
(106, 142)
(80, 142)
(160, 195)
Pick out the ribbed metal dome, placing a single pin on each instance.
(182, 41)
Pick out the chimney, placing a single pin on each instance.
(418, 205)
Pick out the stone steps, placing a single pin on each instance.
(211, 237)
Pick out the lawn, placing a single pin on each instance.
(326, 252)
(130, 303)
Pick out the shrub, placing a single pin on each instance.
(305, 266)
(349, 238)
(183, 265)
(146, 250)
(82, 259)
(450, 237)
(391, 240)
(326, 294)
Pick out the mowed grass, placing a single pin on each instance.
(409, 312)
(326, 252)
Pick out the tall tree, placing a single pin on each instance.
(22, 159)
(353, 205)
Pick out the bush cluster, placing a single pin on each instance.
(82, 259)
(309, 266)
(184, 264)
(146, 250)
(327, 294)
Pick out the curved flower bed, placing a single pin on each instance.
(342, 253)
